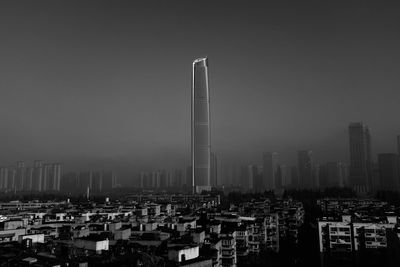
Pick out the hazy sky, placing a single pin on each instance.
(108, 82)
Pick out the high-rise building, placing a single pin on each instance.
(294, 173)
(360, 157)
(201, 143)
(45, 177)
(248, 177)
(143, 179)
(37, 175)
(315, 175)
(3, 178)
(12, 172)
(28, 179)
(270, 167)
(97, 182)
(163, 179)
(306, 169)
(55, 177)
(20, 175)
(344, 169)
(155, 179)
(334, 174)
(284, 177)
(256, 174)
(51, 177)
(389, 171)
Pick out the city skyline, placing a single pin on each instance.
(206, 133)
(102, 86)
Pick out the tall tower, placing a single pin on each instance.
(360, 157)
(389, 171)
(201, 143)
(306, 169)
(270, 167)
(19, 179)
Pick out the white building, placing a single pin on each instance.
(180, 253)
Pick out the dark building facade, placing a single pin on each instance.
(270, 169)
(306, 169)
(360, 157)
(389, 171)
(201, 143)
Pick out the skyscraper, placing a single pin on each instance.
(306, 169)
(4, 178)
(360, 157)
(37, 176)
(201, 143)
(294, 173)
(28, 179)
(270, 167)
(284, 177)
(11, 178)
(20, 175)
(97, 182)
(334, 174)
(389, 171)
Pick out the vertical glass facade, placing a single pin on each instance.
(201, 145)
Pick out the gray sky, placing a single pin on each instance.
(94, 83)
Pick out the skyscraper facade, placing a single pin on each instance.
(360, 157)
(389, 171)
(284, 177)
(306, 169)
(334, 175)
(37, 176)
(201, 143)
(20, 174)
(270, 167)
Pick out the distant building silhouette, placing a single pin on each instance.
(306, 169)
(20, 174)
(37, 176)
(284, 179)
(28, 179)
(249, 177)
(3, 178)
(360, 157)
(315, 176)
(294, 173)
(389, 171)
(270, 168)
(96, 181)
(201, 143)
(334, 174)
